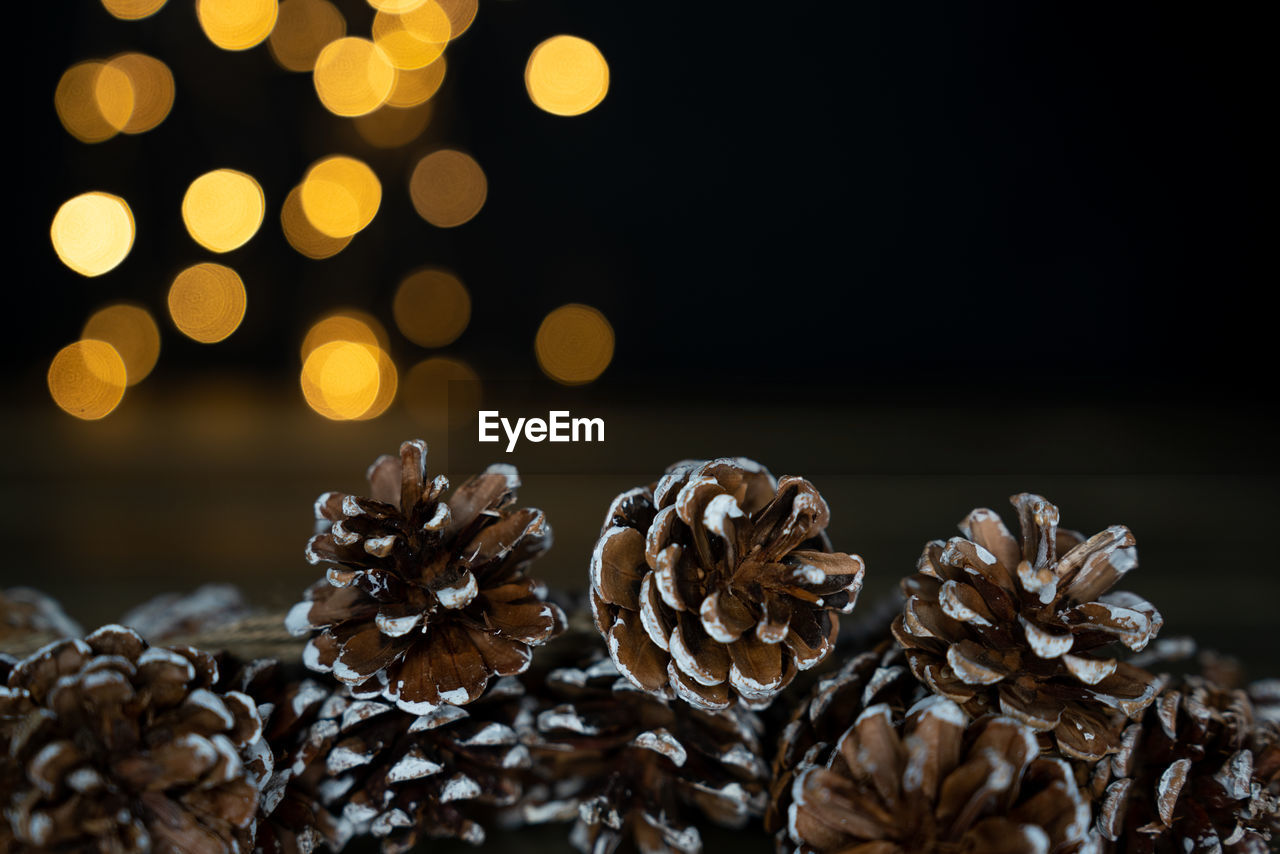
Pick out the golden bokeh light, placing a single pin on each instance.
(302, 235)
(574, 344)
(340, 196)
(448, 188)
(353, 76)
(461, 13)
(347, 324)
(237, 24)
(222, 209)
(418, 85)
(388, 381)
(207, 302)
(94, 101)
(391, 127)
(151, 85)
(302, 29)
(132, 331)
(432, 308)
(93, 232)
(341, 379)
(396, 7)
(566, 76)
(413, 39)
(438, 387)
(87, 379)
(132, 10)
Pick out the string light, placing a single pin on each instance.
(340, 379)
(340, 196)
(151, 87)
(93, 232)
(353, 76)
(574, 344)
(207, 302)
(302, 235)
(132, 10)
(432, 308)
(566, 76)
(302, 29)
(448, 188)
(87, 379)
(223, 209)
(132, 331)
(347, 324)
(94, 101)
(237, 24)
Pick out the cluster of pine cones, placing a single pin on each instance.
(1013, 702)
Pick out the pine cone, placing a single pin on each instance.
(25, 612)
(635, 769)
(169, 616)
(718, 583)
(425, 599)
(1029, 630)
(1198, 773)
(403, 777)
(114, 747)
(933, 783)
(876, 677)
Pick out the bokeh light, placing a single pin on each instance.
(448, 188)
(94, 101)
(396, 7)
(432, 308)
(439, 387)
(346, 324)
(413, 39)
(574, 344)
(223, 209)
(566, 76)
(237, 24)
(340, 379)
(353, 76)
(132, 331)
(418, 85)
(391, 127)
(207, 302)
(302, 235)
(87, 379)
(132, 10)
(151, 85)
(461, 13)
(302, 29)
(388, 381)
(340, 196)
(93, 232)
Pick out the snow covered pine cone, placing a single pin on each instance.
(636, 770)
(1028, 629)
(114, 746)
(717, 583)
(425, 598)
(1199, 773)
(937, 784)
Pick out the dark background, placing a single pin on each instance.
(927, 255)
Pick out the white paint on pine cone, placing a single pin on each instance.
(933, 706)
(718, 512)
(439, 519)
(491, 734)
(394, 627)
(209, 701)
(688, 663)
(1090, 671)
(809, 574)
(460, 596)
(1170, 788)
(649, 619)
(437, 717)
(160, 655)
(297, 622)
(1044, 643)
(232, 766)
(1236, 774)
(565, 717)
(1040, 583)
(663, 742)
(414, 765)
(971, 672)
(517, 757)
(954, 607)
(711, 622)
(459, 787)
(665, 576)
(506, 470)
(749, 687)
(380, 546)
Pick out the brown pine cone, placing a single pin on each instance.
(425, 598)
(636, 770)
(1029, 630)
(170, 616)
(876, 677)
(717, 583)
(935, 783)
(1200, 772)
(404, 777)
(25, 612)
(115, 747)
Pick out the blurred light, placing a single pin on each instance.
(353, 76)
(132, 10)
(396, 7)
(414, 39)
(574, 344)
(417, 86)
(206, 302)
(341, 379)
(390, 127)
(151, 85)
(302, 30)
(237, 24)
(461, 13)
(302, 235)
(436, 387)
(348, 324)
(566, 76)
(448, 188)
(432, 308)
(87, 379)
(93, 232)
(133, 333)
(94, 101)
(387, 383)
(340, 196)
(223, 209)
